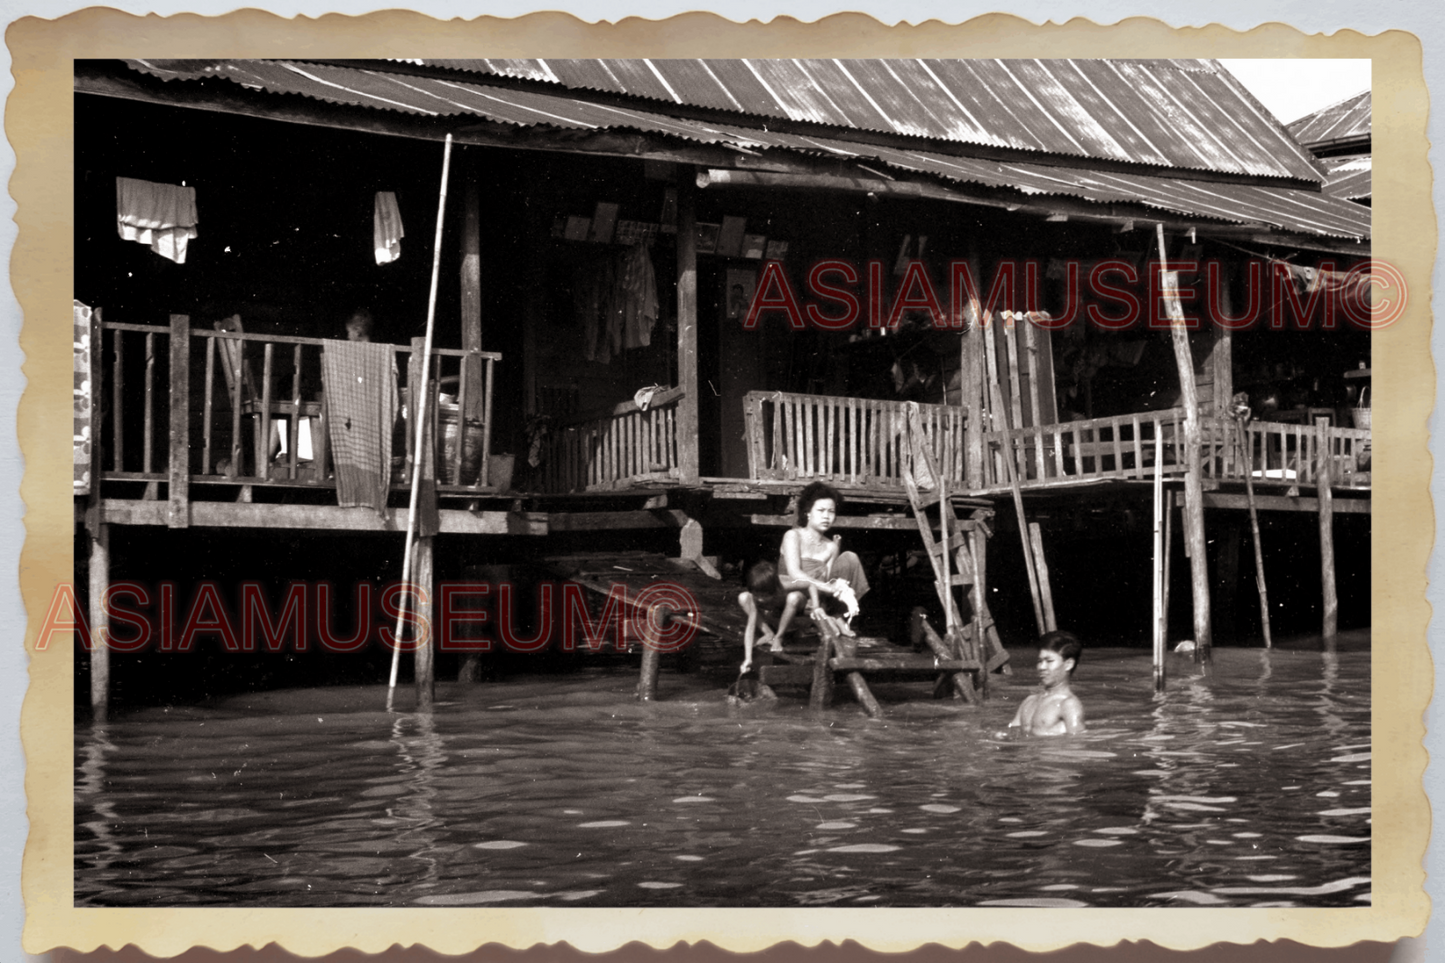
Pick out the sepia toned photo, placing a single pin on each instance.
(449, 534)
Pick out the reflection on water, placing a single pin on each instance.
(1250, 787)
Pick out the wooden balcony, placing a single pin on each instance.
(853, 442)
(184, 407)
(614, 448)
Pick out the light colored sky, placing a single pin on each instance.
(1293, 88)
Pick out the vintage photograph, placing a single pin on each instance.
(463, 520)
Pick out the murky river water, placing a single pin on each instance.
(1249, 788)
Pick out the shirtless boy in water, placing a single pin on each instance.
(1056, 711)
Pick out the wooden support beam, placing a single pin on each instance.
(610, 521)
(423, 577)
(821, 695)
(1193, 487)
(864, 695)
(179, 479)
(1325, 469)
(99, 571)
(651, 662)
(321, 518)
(471, 294)
(687, 409)
(901, 523)
(1286, 503)
(1041, 565)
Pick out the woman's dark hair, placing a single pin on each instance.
(1066, 644)
(813, 494)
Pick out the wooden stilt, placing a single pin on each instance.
(425, 657)
(1193, 481)
(1247, 461)
(864, 695)
(687, 408)
(1159, 516)
(1325, 485)
(99, 621)
(1169, 505)
(178, 484)
(1046, 591)
(962, 686)
(821, 695)
(651, 662)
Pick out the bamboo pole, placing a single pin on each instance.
(1193, 484)
(421, 406)
(1324, 486)
(1036, 539)
(1158, 625)
(1247, 454)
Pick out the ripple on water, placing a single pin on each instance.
(499, 844)
(838, 825)
(604, 824)
(1047, 902)
(476, 899)
(938, 808)
(865, 848)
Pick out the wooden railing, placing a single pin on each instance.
(621, 445)
(850, 441)
(1122, 448)
(226, 412)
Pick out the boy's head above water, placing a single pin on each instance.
(1059, 655)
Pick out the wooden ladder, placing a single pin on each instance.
(977, 644)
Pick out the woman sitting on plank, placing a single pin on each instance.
(812, 567)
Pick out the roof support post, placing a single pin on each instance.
(687, 408)
(1193, 483)
(471, 291)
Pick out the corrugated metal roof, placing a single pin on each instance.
(1298, 211)
(1349, 177)
(1282, 208)
(1347, 120)
(1171, 113)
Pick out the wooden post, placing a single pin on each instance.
(1246, 454)
(687, 408)
(1046, 591)
(1324, 486)
(471, 305)
(651, 661)
(1193, 483)
(1160, 513)
(424, 664)
(864, 696)
(99, 620)
(178, 509)
(821, 695)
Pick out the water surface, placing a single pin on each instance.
(1247, 788)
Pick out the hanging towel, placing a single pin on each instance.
(360, 382)
(162, 216)
(638, 297)
(386, 228)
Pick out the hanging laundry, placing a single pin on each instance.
(361, 404)
(162, 216)
(386, 228)
(637, 297)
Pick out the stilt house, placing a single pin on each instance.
(673, 292)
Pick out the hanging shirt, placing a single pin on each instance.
(386, 229)
(637, 297)
(162, 216)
